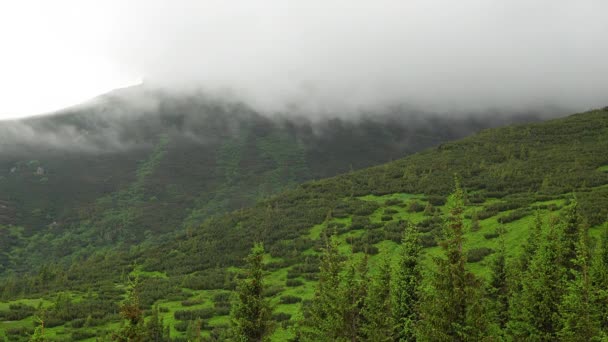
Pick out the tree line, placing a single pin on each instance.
(555, 290)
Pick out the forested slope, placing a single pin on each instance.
(138, 166)
(555, 170)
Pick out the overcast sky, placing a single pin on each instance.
(318, 54)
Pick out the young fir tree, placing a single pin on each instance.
(532, 243)
(39, 335)
(577, 310)
(154, 329)
(251, 314)
(599, 276)
(378, 322)
(498, 287)
(452, 308)
(534, 309)
(570, 236)
(406, 287)
(193, 331)
(131, 311)
(324, 320)
(353, 291)
(475, 222)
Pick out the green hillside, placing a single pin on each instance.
(508, 175)
(136, 167)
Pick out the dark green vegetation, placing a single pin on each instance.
(328, 242)
(139, 168)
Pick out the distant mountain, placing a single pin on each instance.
(509, 174)
(136, 164)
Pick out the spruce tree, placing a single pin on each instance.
(577, 311)
(498, 288)
(131, 311)
(599, 277)
(193, 331)
(39, 335)
(532, 243)
(154, 328)
(452, 308)
(406, 287)
(353, 291)
(324, 321)
(571, 223)
(378, 322)
(534, 312)
(475, 222)
(251, 314)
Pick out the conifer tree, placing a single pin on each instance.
(130, 310)
(498, 289)
(193, 332)
(406, 287)
(39, 335)
(378, 321)
(534, 313)
(532, 243)
(251, 314)
(154, 328)
(475, 222)
(324, 322)
(579, 318)
(570, 236)
(599, 276)
(353, 291)
(452, 309)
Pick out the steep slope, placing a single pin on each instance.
(136, 165)
(508, 173)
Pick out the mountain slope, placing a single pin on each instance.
(509, 173)
(137, 165)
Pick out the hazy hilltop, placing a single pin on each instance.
(554, 170)
(136, 163)
(303, 170)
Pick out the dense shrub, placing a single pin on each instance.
(17, 312)
(19, 331)
(360, 222)
(492, 235)
(272, 291)
(428, 240)
(190, 315)
(485, 213)
(211, 279)
(513, 216)
(293, 282)
(477, 254)
(289, 299)
(415, 207)
(393, 202)
(281, 316)
(390, 211)
(83, 334)
(181, 325)
(436, 200)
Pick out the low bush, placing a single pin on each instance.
(293, 282)
(477, 254)
(289, 299)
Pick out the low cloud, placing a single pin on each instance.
(318, 56)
